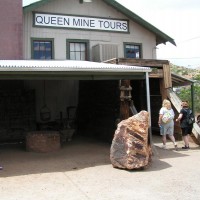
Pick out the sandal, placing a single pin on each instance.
(186, 147)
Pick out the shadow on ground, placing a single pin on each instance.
(78, 154)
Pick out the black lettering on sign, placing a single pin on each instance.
(124, 26)
(39, 20)
(53, 20)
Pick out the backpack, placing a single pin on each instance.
(190, 119)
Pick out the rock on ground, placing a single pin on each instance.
(130, 148)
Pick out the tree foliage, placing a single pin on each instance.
(197, 77)
(185, 92)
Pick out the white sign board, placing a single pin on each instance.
(80, 22)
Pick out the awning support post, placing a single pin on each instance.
(192, 97)
(148, 105)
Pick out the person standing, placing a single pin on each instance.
(186, 128)
(166, 123)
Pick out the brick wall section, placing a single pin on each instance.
(11, 29)
(43, 141)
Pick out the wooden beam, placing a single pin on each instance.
(167, 76)
(163, 91)
(124, 103)
(143, 62)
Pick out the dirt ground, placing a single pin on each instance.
(81, 170)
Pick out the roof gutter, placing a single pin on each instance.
(67, 65)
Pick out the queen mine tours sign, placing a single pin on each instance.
(80, 22)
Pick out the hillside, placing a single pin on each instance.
(185, 72)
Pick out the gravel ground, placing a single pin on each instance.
(81, 170)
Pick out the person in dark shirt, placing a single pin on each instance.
(185, 127)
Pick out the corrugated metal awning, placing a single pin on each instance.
(68, 69)
(180, 81)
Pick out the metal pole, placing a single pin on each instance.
(148, 105)
(192, 98)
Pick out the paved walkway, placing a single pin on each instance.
(82, 171)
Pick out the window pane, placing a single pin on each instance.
(82, 47)
(137, 47)
(132, 51)
(82, 55)
(42, 53)
(77, 47)
(72, 47)
(48, 55)
(42, 46)
(42, 50)
(36, 46)
(78, 56)
(48, 46)
(72, 56)
(36, 55)
(77, 51)
(137, 55)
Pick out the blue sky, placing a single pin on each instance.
(177, 18)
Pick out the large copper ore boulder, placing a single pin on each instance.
(130, 148)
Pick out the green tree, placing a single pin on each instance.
(185, 94)
(197, 77)
(197, 98)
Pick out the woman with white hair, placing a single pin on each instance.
(166, 123)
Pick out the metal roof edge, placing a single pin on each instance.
(183, 78)
(67, 65)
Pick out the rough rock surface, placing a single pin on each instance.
(130, 148)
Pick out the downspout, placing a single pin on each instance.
(148, 106)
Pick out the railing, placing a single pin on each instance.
(196, 131)
(175, 100)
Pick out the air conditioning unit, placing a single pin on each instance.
(103, 52)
